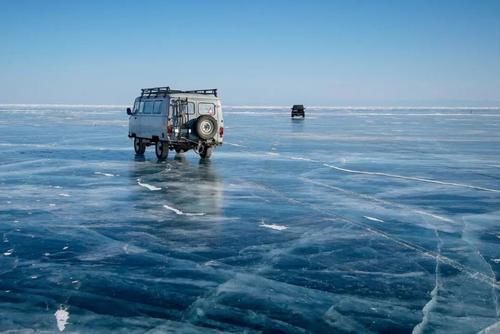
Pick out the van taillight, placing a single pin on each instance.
(169, 130)
(221, 131)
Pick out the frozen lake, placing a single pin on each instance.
(349, 221)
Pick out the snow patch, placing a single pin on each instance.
(62, 317)
(177, 211)
(147, 186)
(104, 174)
(273, 226)
(300, 158)
(9, 252)
(374, 219)
(212, 263)
(64, 195)
(181, 213)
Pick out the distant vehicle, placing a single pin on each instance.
(298, 110)
(176, 120)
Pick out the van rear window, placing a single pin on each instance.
(148, 107)
(136, 107)
(157, 107)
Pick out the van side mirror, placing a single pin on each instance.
(129, 111)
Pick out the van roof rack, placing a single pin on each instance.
(163, 91)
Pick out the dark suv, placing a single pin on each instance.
(298, 110)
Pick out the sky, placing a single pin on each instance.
(335, 53)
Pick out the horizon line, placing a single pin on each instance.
(330, 107)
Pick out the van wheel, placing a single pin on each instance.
(139, 146)
(205, 152)
(161, 150)
(206, 127)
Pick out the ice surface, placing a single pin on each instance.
(353, 220)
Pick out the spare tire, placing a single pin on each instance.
(206, 127)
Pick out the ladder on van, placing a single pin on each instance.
(180, 117)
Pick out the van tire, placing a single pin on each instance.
(206, 152)
(206, 127)
(139, 146)
(161, 150)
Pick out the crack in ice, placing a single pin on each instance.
(425, 252)
(411, 178)
(419, 328)
(493, 292)
(382, 201)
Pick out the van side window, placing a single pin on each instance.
(206, 108)
(136, 107)
(157, 107)
(141, 107)
(148, 107)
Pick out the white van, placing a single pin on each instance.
(176, 120)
